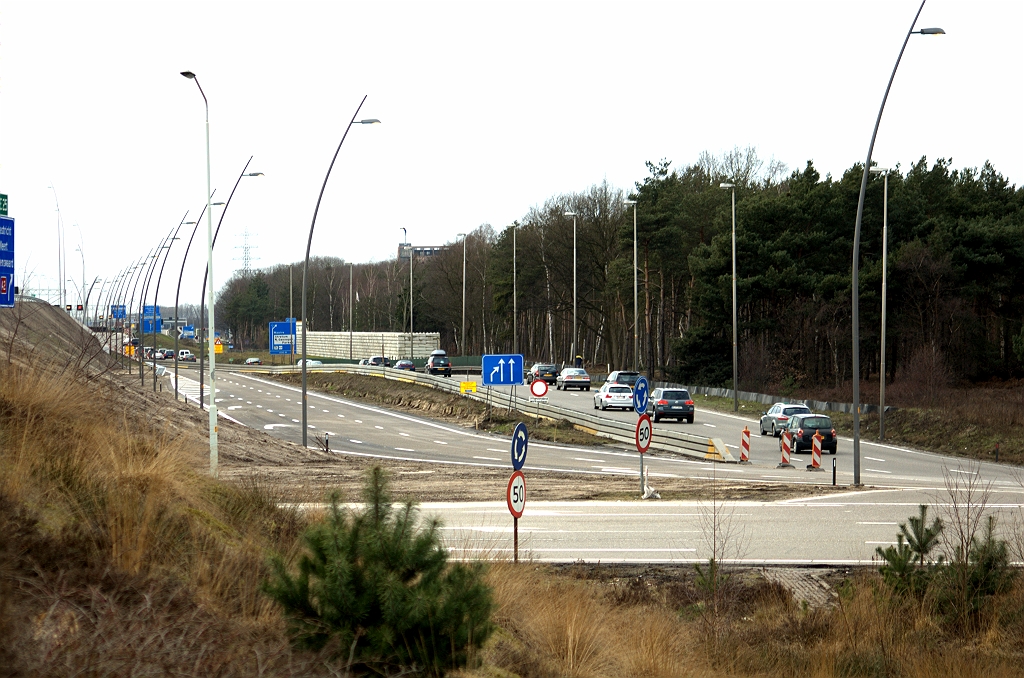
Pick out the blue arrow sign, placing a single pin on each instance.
(520, 439)
(281, 334)
(6, 262)
(502, 370)
(641, 394)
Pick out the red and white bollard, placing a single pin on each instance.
(745, 446)
(784, 442)
(815, 464)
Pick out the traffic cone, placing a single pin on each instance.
(745, 446)
(784, 441)
(815, 464)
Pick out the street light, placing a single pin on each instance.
(209, 271)
(156, 294)
(855, 281)
(81, 291)
(735, 339)
(463, 236)
(515, 293)
(305, 264)
(885, 265)
(636, 315)
(573, 215)
(408, 247)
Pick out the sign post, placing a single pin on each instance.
(515, 496)
(6, 259)
(643, 443)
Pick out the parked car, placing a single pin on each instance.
(613, 395)
(627, 377)
(253, 361)
(804, 426)
(573, 377)
(544, 371)
(364, 361)
(776, 419)
(406, 365)
(186, 355)
(438, 363)
(379, 361)
(673, 403)
(309, 363)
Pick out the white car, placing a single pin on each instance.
(613, 395)
(309, 363)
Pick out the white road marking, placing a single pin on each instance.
(584, 459)
(956, 470)
(217, 400)
(269, 410)
(295, 420)
(234, 407)
(491, 449)
(248, 402)
(288, 399)
(358, 421)
(271, 427)
(488, 458)
(405, 435)
(878, 470)
(310, 426)
(711, 425)
(440, 442)
(281, 415)
(328, 411)
(404, 449)
(875, 459)
(884, 543)
(260, 406)
(357, 442)
(379, 427)
(575, 395)
(871, 523)
(277, 396)
(342, 416)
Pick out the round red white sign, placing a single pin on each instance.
(516, 494)
(643, 433)
(539, 388)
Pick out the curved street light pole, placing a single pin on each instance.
(156, 294)
(572, 358)
(202, 297)
(856, 247)
(118, 300)
(177, 294)
(305, 264)
(142, 307)
(131, 301)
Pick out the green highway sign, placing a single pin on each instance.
(3, 204)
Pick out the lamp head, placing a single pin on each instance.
(569, 214)
(460, 235)
(879, 170)
(369, 121)
(931, 31)
(629, 202)
(254, 174)
(189, 74)
(214, 204)
(726, 185)
(189, 223)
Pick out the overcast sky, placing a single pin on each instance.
(487, 109)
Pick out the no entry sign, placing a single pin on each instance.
(643, 433)
(516, 494)
(539, 388)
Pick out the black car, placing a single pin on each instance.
(439, 364)
(670, 403)
(545, 372)
(804, 426)
(380, 361)
(626, 377)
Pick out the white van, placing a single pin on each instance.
(186, 355)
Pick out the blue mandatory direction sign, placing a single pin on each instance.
(118, 311)
(520, 440)
(641, 394)
(6, 262)
(502, 370)
(281, 334)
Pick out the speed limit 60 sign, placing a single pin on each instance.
(643, 433)
(516, 494)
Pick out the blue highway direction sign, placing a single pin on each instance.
(188, 332)
(281, 334)
(6, 262)
(641, 394)
(118, 311)
(520, 439)
(502, 370)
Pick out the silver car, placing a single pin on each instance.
(613, 395)
(776, 419)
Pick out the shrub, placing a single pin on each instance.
(375, 587)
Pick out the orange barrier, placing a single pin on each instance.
(785, 441)
(815, 464)
(745, 446)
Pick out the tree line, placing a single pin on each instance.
(955, 277)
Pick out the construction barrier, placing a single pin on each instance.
(717, 451)
(745, 446)
(815, 464)
(785, 442)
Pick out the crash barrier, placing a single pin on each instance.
(766, 399)
(745, 446)
(785, 442)
(613, 429)
(815, 464)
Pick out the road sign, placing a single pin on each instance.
(502, 370)
(467, 387)
(218, 347)
(281, 334)
(188, 332)
(515, 495)
(118, 311)
(520, 439)
(6, 260)
(643, 433)
(641, 394)
(539, 388)
(3, 204)
(151, 311)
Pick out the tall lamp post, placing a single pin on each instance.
(855, 281)
(573, 357)
(81, 292)
(408, 247)
(515, 293)
(156, 294)
(463, 236)
(885, 265)
(636, 311)
(735, 333)
(209, 273)
(305, 264)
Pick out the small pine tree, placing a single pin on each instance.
(376, 586)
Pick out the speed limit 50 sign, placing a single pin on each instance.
(516, 494)
(643, 433)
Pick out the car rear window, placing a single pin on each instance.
(675, 395)
(816, 422)
(796, 410)
(575, 372)
(627, 377)
(441, 362)
(545, 368)
(620, 389)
